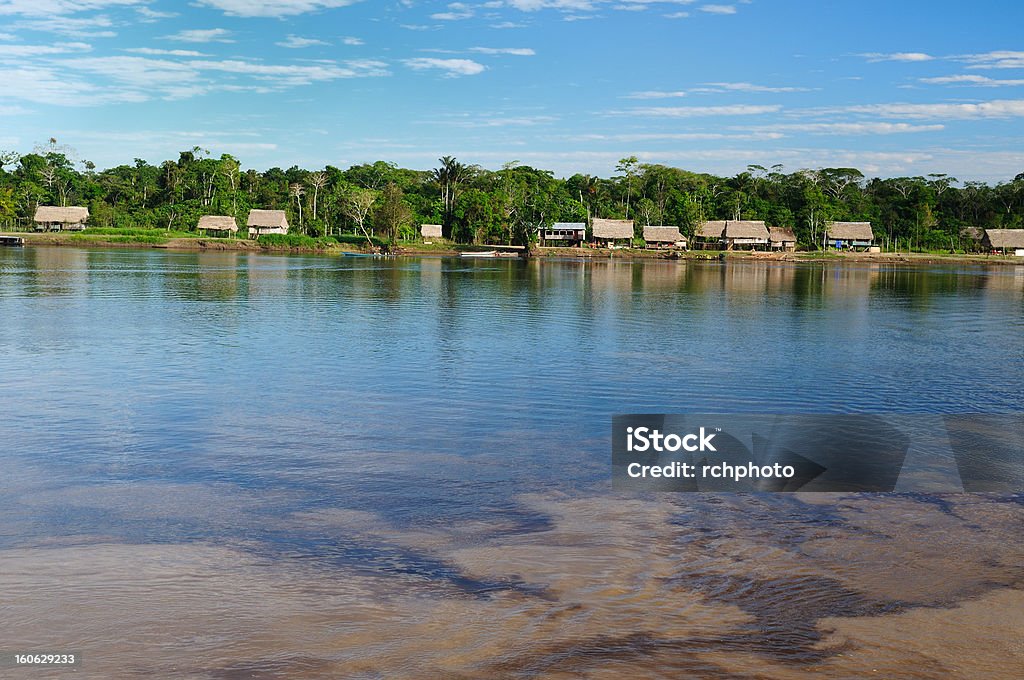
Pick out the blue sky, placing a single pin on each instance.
(893, 88)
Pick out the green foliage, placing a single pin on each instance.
(477, 206)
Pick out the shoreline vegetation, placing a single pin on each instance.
(380, 207)
(297, 244)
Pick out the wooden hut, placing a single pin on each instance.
(610, 232)
(563, 233)
(781, 238)
(849, 235)
(709, 235)
(56, 218)
(1005, 241)
(220, 224)
(663, 237)
(430, 231)
(742, 234)
(267, 222)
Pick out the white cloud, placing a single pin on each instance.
(747, 87)
(678, 137)
(87, 27)
(1001, 108)
(201, 35)
(456, 12)
(998, 59)
(656, 94)
(487, 120)
(897, 56)
(150, 15)
(22, 51)
(976, 80)
(152, 51)
(516, 51)
(718, 9)
(51, 8)
(119, 79)
(295, 42)
(698, 111)
(452, 67)
(350, 40)
(872, 128)
(273, 8)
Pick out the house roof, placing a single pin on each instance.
(65, 215)
(745, 229)
(217, 222)
(849, 231)
(568, 225)
(1005, 238)
(781, 235)
(613, 228)
(662, 234)
(711, 229)
(267, 219)
(430, 230)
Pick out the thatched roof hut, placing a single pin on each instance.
(267, 222)
(1004, 239)
(669, 235)
(61, 217)
(217, 223)
(782, 237)
(611, 230)
(430, 230)
(849, 231)
(745, 230)
(712, 229)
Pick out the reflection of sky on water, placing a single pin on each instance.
(438, 430)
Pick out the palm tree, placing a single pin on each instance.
(448, 177)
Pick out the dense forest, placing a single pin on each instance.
(476, 205)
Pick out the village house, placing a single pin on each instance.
(56, 218)
(663, 237)
(217, 224)
(610, 233)
(1005, 241)
(849, 235)
(745, 234)
(430, 231)
(709, 234)
(267, 222)
(782, 238)
(563, 233)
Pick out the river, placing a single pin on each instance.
(227, 465)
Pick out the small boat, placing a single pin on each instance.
(487, 253)
(12, 241)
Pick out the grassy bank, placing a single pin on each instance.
(297, 243)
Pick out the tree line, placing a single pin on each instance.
(476, 205)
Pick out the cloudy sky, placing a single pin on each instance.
(894, 88)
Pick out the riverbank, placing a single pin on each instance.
(309, 245)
